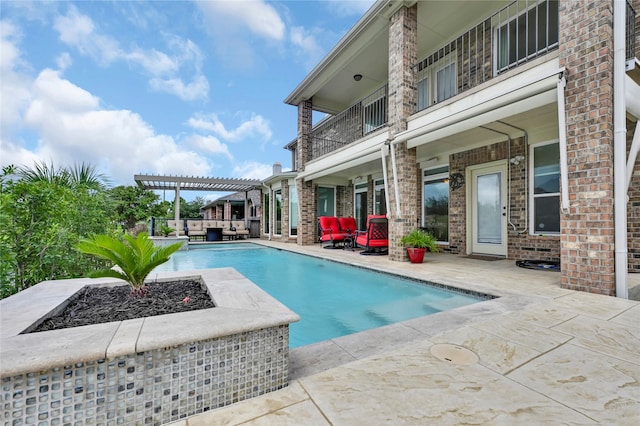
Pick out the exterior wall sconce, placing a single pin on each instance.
(357, 77)
(516, 160)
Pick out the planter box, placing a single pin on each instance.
(144, 371)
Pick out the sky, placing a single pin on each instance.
(192, 88)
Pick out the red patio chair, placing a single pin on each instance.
(348, 225)
(330, 231)
(375, 240)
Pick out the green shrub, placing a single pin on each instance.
(134, 257)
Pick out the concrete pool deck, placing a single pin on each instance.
(545, 356)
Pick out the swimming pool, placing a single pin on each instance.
(331, 298)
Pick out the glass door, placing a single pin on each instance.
(489, 210)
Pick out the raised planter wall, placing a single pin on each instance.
(145, 371)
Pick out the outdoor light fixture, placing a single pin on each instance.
(357, 77)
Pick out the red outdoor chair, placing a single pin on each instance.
(375, 240)
(330, 231)
(348, 225)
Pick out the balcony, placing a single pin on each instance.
(518, 33)
(514, 35)
(357, 121)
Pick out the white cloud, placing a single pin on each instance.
(197, 89)
(255, 16)
(308, 43)
(255, 127)
(14, 89)
(348, 8)
(64, 61)
(73, 128)
(208, 144)
(253, 170)
(80, 32)
(243, 32)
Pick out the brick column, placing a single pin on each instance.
(307, 226)
(587, 228)
(403, 41)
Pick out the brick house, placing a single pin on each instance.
(489, 123)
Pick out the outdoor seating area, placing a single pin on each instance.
(343, 233)
(209, 230)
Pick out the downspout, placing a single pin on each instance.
(394, 169)
(620, 149)
(526, 175)
(515, 229)
(384, 175)
(562, 136)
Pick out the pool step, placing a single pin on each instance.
(401, 310)
(398, 310)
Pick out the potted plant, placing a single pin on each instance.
(166, 230)
(417, 243)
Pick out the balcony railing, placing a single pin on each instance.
(517, 33)
(362, 118)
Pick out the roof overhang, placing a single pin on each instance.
(191, 183)
(280, 177)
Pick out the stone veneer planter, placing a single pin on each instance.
(144, 371)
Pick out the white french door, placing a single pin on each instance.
(489, 209)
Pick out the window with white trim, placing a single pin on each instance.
(277, 196)
(438, 81)
(293, 210)
(525, 33)
(360, 191)
(435, 210)
(374, 115)
(545, 188)
(379, 198)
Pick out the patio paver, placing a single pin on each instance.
(546, 356)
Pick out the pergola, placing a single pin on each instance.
(191, 183)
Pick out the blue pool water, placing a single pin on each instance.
(331, 299)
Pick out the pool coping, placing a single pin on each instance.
(241, 306)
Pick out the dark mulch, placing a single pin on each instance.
(96, 305)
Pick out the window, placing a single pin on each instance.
(379, 200)
(326, 201)
(293, 211)
(277, 195)
(435, 217)
(546, 188)
(267, 213)
(375, 115)
(360, 204)
(523, 37)
(437, 82)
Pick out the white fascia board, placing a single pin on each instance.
(352, 155)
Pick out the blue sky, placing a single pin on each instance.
(170, 87)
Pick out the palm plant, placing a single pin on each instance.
(135, 257)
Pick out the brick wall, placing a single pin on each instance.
(403, 34)
(587, 240)
(521, 245)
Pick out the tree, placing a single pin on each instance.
(189, 209)
(44, 211)
(134, 204)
